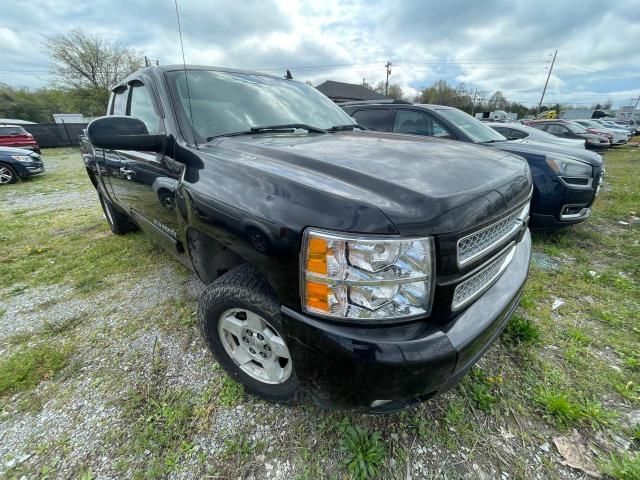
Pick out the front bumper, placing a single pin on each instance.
(29, 169)
(385, 368)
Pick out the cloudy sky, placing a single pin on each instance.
(505, 45)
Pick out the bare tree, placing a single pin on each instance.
(89, 63)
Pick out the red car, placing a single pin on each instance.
(18, 137)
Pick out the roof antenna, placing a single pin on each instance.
(186, 77)
(288, 76)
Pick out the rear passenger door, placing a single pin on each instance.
(379, 119)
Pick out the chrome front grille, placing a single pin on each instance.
(478, 243)
(476, 285)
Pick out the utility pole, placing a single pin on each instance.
(386, 85)
(637, 101)
(473, 104)
(547, 82)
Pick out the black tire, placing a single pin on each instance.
(119, 223)
(243, 288)
(9, 175)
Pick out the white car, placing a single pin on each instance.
(620, 136)
(524, 134)
(612, 124)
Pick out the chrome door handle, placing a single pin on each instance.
(126, 171)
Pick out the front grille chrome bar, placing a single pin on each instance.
(474, 286)
(477, 244)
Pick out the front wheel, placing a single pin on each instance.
(240, 320)
(7, 175)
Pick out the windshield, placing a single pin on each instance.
(226, 102)
(474, 129)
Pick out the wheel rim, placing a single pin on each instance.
(5, 175)
(255, 346)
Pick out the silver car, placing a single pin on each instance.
(525, 134)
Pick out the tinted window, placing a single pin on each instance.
(120, 102)
(557, 129)
(515, 134)
(418, 123)
(501, 130)
(374, 119)
(12, 131)
(142, 107)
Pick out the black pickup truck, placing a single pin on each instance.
(367, 269)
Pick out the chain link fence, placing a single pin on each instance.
(55, 134)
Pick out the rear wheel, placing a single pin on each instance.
(240, 320)
(119, 223)
(7, 174)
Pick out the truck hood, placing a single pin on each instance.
(423, 185)
(588, 156)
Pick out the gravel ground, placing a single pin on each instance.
(140, 333)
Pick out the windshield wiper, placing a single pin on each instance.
(493, 141)
(287, 127)
(342, 128)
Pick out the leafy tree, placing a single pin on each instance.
(90, 65)
(395, 91)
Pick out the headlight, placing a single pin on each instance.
(366, 278)
(569, 168)
(22, 158)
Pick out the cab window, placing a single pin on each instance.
(142, 107)
(119, 106)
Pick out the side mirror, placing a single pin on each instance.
(117, 132)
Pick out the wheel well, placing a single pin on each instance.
(210, 258)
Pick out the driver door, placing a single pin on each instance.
(148, 181)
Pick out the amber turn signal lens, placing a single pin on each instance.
(317, 296)
(317, 256)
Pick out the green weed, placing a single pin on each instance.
(364, 452)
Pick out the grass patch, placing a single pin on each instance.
(25, 369)
(364, 452)
(230, 393)
(567, 410)
(623, 467)
(521, 330)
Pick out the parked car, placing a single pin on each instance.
(355, 304)
(617, 136)
(17, 137)
(608, 123)
(629, 124)
(16, 163)
(526, 134)
(567, 129)
(565, 184)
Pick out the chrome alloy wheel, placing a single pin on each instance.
(255, 346)
(5, 175)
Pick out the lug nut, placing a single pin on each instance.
(263, 355)
(267, 348)
(260, 337)
(252, 351)
(250, 333)
(245, 339)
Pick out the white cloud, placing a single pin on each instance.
(500, 45)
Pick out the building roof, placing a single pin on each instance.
(340, 92)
